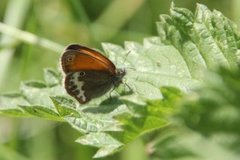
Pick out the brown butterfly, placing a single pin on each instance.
(88, 73)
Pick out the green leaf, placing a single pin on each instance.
(153, 115)
(52, 78)
(92, 122)
(104, 141)
(186, 144)
(222, 93)
(158, 66)
(42, 112)
(38, 93)
(159, 72)
(65, 106)
(209, 119)
(198, 36)
(10, 104)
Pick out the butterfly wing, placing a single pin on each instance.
(76, 58)
(85, 85)
(89, 74)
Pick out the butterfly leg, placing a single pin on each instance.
(111, 91)
(130, 90)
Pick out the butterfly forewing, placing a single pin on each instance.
(78, 57)
(73, 61)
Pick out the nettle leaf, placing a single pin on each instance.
(187, 46)
(222, 93)
(10, 104)
(100, 140)
(209, 119)
(198, 35)
(153, 115)
(51, 77)
(65, 106)
(33, 99)
(41, 111)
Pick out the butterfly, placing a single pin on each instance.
(88, 73)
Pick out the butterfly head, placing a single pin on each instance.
(120, 73)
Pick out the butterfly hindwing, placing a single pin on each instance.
(85, 85)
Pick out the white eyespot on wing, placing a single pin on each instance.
(79, 85)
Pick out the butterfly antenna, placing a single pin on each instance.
(126, 56)
(131, 68)
(126, 59)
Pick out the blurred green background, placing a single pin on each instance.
(88, 22)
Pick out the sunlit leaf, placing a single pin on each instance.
(190, 46)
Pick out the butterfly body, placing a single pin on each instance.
(88, 74)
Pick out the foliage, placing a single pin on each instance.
(187, 47)
(206, 126)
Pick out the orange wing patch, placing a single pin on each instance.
(76, 58)
(73, 62)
